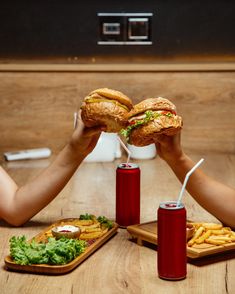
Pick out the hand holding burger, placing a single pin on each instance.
(149, 119)
(106, 107)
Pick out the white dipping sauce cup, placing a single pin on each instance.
(146, 152)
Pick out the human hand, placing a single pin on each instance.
(169, 147)
(84, 139)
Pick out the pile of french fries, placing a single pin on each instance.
(211, 233)
(90, 229)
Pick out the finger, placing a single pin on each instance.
(78, 122)
(79, 113)
(75, 120)
(158, 145)
(89, 132)
(161, 139)
(93, 142)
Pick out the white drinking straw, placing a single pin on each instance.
(127, 150)
(186, 180)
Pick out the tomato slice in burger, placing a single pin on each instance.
(165, 112)
(132, 122)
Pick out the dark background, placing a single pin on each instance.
(69, 28)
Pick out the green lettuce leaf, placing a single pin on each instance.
(105, 222)
(59, 251)
(149, 115)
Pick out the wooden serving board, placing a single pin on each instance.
(59, 269)
(148, 232)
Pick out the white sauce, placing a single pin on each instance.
(67, 228)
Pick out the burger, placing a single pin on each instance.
(106, 107)
(149, 119)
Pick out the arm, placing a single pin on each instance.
(19, 204)
(215, 197)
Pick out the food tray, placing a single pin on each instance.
(60, 269)
(148, 232)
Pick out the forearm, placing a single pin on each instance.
(29, 199)
(215, 197)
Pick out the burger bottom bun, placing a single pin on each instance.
(148, 133)
(108, 114)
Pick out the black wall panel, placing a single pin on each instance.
(63, 28)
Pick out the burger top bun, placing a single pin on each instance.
(161, 118)
(106, 107)
(152, 104)
(115, 95)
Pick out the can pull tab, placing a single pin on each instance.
(126, 165)
(171, 205)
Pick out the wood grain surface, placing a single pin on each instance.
(36, 108)
(120, 265)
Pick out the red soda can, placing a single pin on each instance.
(171, 235)
(127, 194)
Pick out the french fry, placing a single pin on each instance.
(223, 231)
(92, 230)
(91, 227)
(211, 233)
(227, 229)
(203, 237)
(49, 234)
(232, 237)
(212, 226)
(93, 235)
(215, 242)
(197, 234)
(105, 231)
(220, 238)
(83, 222)
(196, 225)
(94, 226)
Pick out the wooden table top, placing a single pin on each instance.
(120, 265)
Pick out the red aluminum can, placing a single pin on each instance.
(127, 194)
(171, 226)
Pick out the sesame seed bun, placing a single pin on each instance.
(158, 103)
(164, 121)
